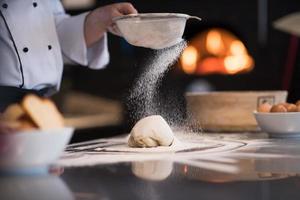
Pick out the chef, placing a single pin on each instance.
(37, 37)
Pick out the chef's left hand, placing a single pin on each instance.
(100, 20)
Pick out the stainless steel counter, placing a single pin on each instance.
(225, 167)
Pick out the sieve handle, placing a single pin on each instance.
(195, 17)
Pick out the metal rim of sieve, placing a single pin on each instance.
(156, 16)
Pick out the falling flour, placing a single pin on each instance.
(142, 98)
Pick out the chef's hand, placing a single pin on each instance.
(99, 21)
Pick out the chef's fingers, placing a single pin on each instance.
(121, 9)
(115, 30)
(126, 8)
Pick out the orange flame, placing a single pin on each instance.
(189, 59)
(214, 43)
(221, 52)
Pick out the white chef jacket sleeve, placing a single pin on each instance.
(70, 30)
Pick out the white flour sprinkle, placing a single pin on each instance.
(142, 96)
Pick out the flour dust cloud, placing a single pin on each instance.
(142, 99)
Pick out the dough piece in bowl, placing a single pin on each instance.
(151, 131)
(43, 112)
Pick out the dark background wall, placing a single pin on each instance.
(244, 18)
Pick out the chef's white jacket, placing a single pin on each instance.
(35, 37)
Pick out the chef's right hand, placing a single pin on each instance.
(100, 20)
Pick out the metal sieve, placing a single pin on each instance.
(153, 30)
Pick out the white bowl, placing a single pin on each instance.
(32, 149)
(279, 124)
(153, 30)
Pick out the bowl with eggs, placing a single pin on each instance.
(279, 120)
(32, 135)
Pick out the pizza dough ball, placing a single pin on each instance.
(151, 131)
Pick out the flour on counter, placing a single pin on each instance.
(115, 150)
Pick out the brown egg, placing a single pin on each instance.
(285, 104)
(291, 107)
(278, 108)
(265, 107)
(298, 103)
(298, 108)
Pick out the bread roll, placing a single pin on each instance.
(13, 112)
(42, 112)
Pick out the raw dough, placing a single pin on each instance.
(151, 131)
